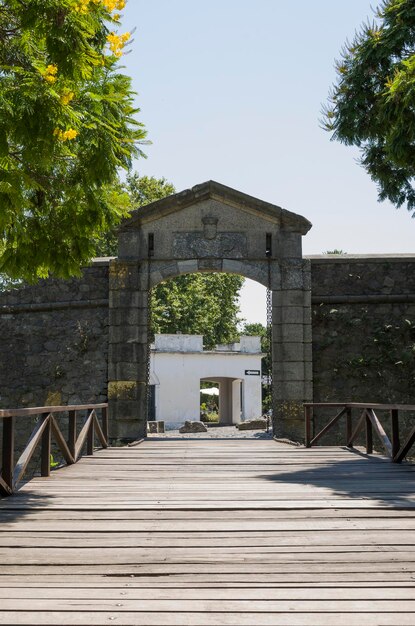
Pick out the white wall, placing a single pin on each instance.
(177, 376)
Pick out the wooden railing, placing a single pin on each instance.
(369, 421)
(46, 428)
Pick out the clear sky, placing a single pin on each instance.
(231, 90)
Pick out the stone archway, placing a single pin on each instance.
(210, 228)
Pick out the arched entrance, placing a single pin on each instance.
(218, 229)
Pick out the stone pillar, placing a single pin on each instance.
(236, 401)
(225, 401)
(292, 350)
(127, 362)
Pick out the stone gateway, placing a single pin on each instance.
(209, 228)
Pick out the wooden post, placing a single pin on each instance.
(349, 428)
(308, 413)
(395, 432)
(8, 451)
(369, 436)
(105, 428)
(72, 432)
(90, 439)
(46, 447)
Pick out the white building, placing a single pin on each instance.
(179, 365)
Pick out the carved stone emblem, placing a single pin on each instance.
(198, 246)
(210, 227)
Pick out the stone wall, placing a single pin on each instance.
(54, 336)
(363, 310)
(54, 343)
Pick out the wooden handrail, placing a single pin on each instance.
(47, 428)
(369, 421)
(37, 410)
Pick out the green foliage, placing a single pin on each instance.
(53, 463)
(210, 417)
(146, 189)
(372, 103)
(200, 304)
(136, 192)
(67, 124)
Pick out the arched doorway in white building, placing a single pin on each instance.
(237, 399)
(179, 366)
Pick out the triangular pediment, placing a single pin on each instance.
(212, 190)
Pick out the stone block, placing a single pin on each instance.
(290, 332)
(292, 429)
(210, 265)
(255, 424)
(288, 371)
(292, 276)
(128, 334)
(291, 245)
(187, 267)
(127, 371)
(308, 387)
(308, 333)
(288, 351)
(290, 297)
(156, 426)
(130, 245)
(128, 298)
(308, 352)
(292, 315)
(233, 267)
(126, 389)
(169, 270)
(128, 352)
(156, 277)
(126, 431)
(290, 410)
(128, 317)
(276, 276)
(130, 410)
(124, 275)
(287, 315)
(193, 427)
(293, 390)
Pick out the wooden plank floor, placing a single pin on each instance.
(208, 532)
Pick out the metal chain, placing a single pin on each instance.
(149, 329)
(269, 335)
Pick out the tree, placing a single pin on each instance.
(67, 125)
(372, 103)
(137, 191)
(199, 304)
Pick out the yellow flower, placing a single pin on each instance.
(66, 97)
(117, 42)
(112, 5)
(70, 134)
(82, 6)
(65, 135)
(52, 69)
(49, 74)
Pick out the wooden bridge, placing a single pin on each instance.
(211, 532)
